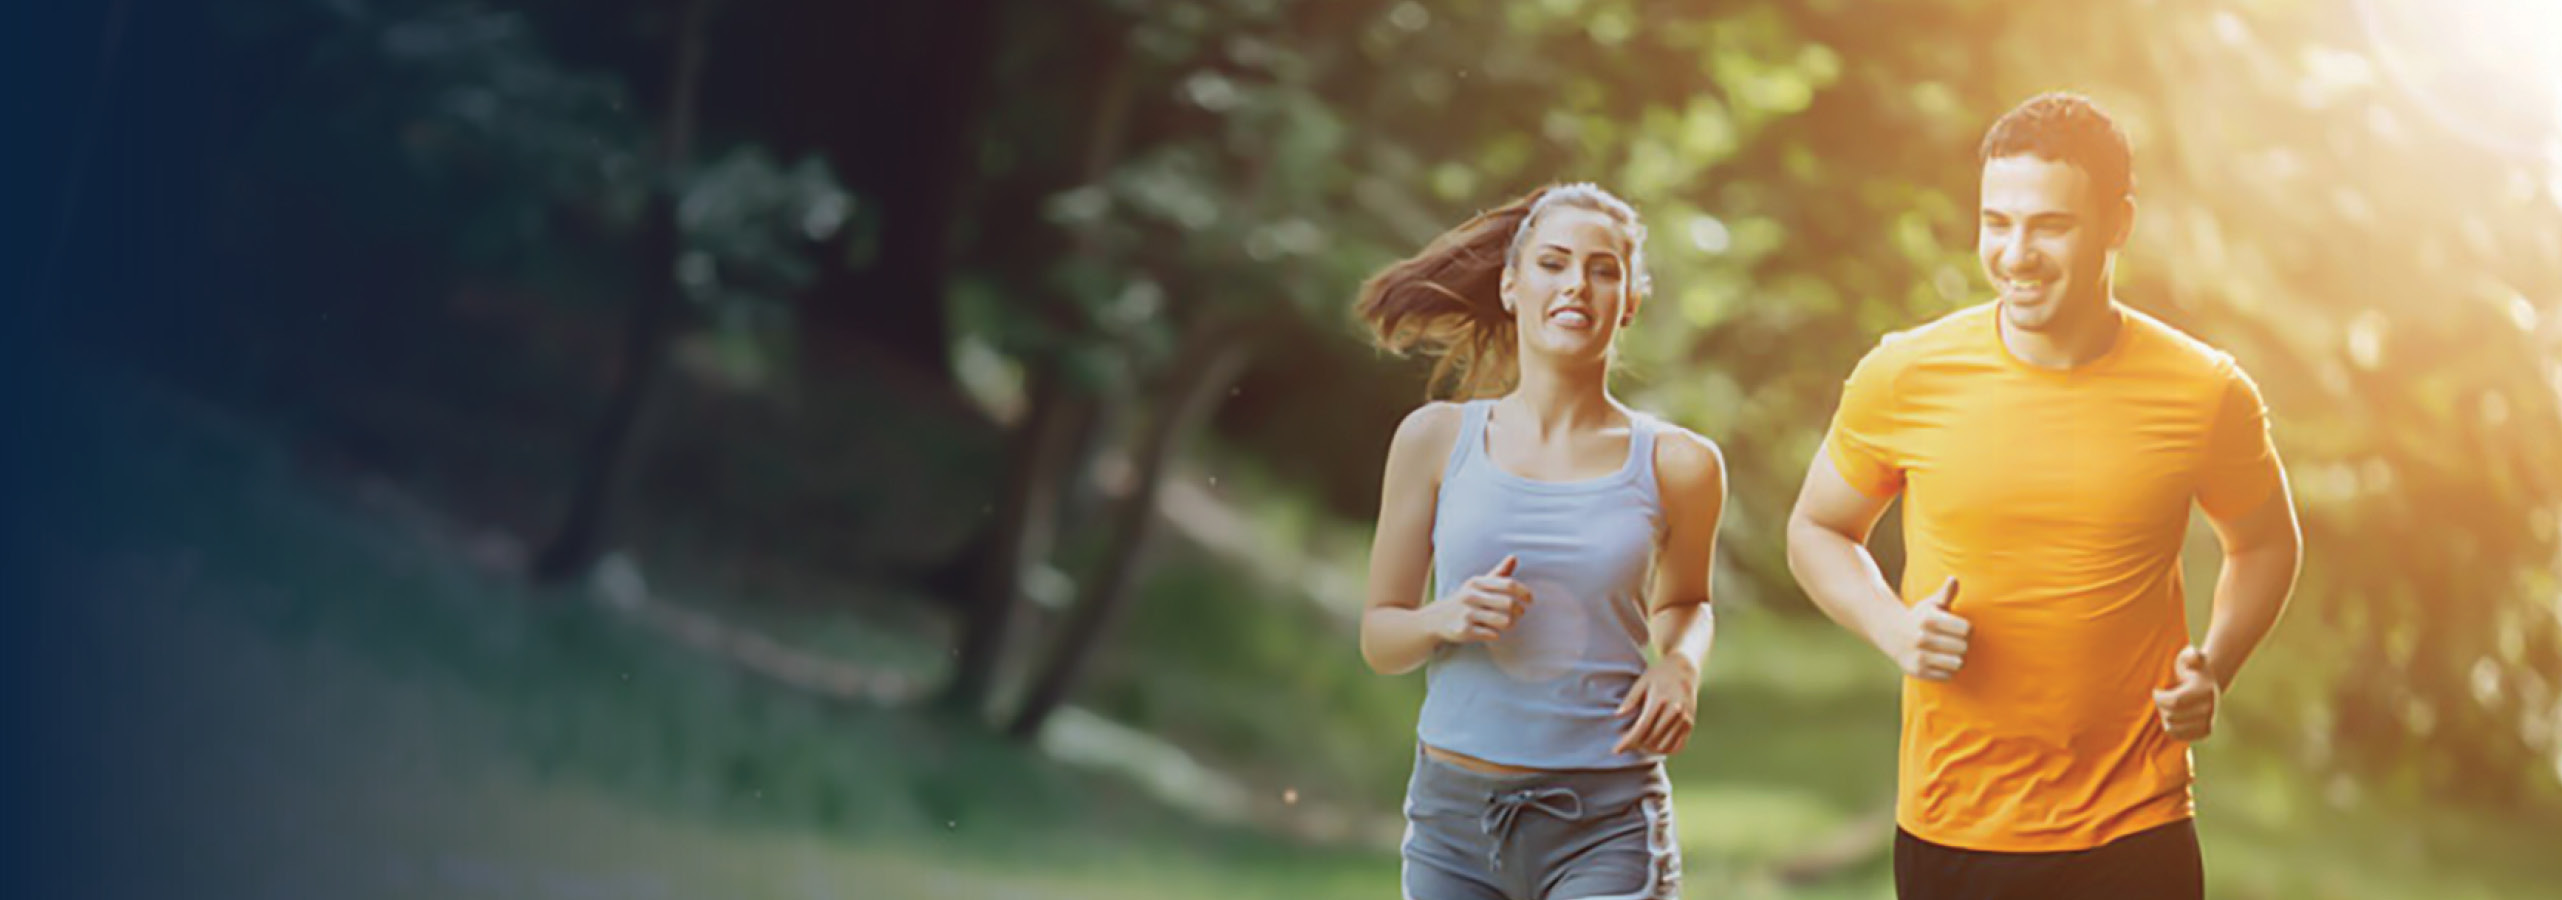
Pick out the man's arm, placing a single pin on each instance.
(1828, 552)
(2242, 489)
(2263, 550)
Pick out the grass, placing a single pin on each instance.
(363, 716)
(402, 725)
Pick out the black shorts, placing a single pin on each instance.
(2159, 863)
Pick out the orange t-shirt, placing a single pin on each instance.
(2059, 500)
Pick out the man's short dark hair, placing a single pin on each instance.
(2067, 128)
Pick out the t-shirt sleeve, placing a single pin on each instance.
(1862, 439)
(2241, 464)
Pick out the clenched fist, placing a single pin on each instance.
(1483, 608)
(2187, 708)
(1930, 643)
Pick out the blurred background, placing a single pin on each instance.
(765, 448)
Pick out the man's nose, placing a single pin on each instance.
(2016, 254)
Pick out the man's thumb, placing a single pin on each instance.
(1946, 596)
(2192, 661)
(1504, 569)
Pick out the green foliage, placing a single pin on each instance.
(750, 224)
(513, 159)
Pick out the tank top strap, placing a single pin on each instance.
(1641, 445)
(1472, 435)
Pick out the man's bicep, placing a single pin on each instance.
(2241, 470)
(1861, 439)
(2267, 522)
(1829, 501)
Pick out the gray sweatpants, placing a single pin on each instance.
(1583, 835)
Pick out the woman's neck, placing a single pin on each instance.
(1551, 402)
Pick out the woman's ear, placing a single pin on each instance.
(1503, 289)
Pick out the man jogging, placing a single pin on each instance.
(2047, 446)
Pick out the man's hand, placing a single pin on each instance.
(1930, 641)
(1666, 703)
(2188, 707)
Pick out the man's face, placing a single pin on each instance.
(2046, 240)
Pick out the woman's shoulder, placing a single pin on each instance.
(1430, 430)
(1687, 461)
(1436, 418)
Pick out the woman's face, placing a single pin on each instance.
(1571, 284)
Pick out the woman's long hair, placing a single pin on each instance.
(1447, 299)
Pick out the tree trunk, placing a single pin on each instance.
(1057, 430)
(614, 449)
(895, 306)
(1189, 391)
(1027, 516)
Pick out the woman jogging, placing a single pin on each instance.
(1564, 534)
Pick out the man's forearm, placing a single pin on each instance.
(2249, 596)
(1842, 578)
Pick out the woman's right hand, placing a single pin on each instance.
(1483, 608)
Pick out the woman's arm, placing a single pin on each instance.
(1691, 475)
(1398, 631)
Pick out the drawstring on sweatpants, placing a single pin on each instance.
(1506, 806)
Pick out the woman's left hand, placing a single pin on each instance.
(1665, 702)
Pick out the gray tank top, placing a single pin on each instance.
(1544, 695)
